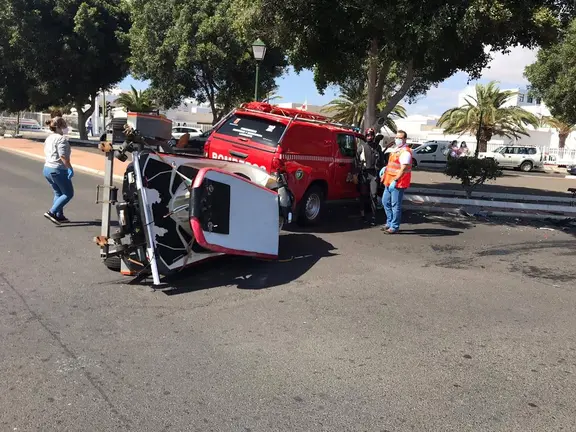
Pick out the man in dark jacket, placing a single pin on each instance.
(369, 160)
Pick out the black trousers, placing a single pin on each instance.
(369, 189)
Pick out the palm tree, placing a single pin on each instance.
(270, 97)
(350, 107)
(564, 129)
(486, 115)
(136, 101)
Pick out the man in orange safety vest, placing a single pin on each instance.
(396, 177)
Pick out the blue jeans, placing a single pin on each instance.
(392, 202)
(62, 186)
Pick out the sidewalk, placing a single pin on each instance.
(82, 161)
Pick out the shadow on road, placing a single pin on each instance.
(298, 254)
(430, 232)
(96, 222)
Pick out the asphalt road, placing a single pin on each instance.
(450, 326)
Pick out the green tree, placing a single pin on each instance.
(426, 41)
(350, 106)
(136, 101)
(485, 115)
(192, 48)
(553, 76)
(68, 50)
(563, 128)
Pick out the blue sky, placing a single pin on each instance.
(506, 69)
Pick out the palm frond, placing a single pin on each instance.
(490, 104)
(136, 101)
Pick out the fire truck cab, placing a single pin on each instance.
(315, 155)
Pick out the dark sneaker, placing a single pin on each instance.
(62, 219)
(51, 217)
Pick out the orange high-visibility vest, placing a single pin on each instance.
(393, 168)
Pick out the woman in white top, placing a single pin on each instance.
(58, 169)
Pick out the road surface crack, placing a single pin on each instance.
(126, 422)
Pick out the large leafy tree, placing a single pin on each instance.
(192, 48)
(350, 106)
(553, 76)
(66, 51)
(427, 40)
(486, 114)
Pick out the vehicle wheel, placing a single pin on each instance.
(113, 263)
(311, 206)
(414, 164)
(526, 166)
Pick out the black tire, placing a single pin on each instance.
(113, 263)
(414, 163)
(526, 166)
(312, 217)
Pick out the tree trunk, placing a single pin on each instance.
(370, 115)
(482, 139)
(83, 116)
(382, 76)
(214, 110)
(81, 122)
(483, 145)
(17, 130)
(562, 143)
(399, 95)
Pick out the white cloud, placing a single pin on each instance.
(509, 68)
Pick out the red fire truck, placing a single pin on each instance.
(315, 154)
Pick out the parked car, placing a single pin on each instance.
(30, 127)
(316, 155)
(431, 154)
(571, 169)
(178, 131)
(195, 143)
(526, 158)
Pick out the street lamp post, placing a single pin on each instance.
(259, 50)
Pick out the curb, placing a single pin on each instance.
(80, 168)
(455, 210)
(494, 206)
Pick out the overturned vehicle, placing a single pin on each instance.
(177, 209)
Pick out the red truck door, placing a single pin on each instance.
(345, 152)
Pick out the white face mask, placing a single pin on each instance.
(65, 131)
(398, 142)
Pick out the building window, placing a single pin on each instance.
(520, 98)
(538, 101)
(530, 99)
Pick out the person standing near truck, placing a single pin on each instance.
(58, 170)
(368, 164)
(396, 178)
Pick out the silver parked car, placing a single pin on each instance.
(526, 158)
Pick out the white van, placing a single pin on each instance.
(431, 154)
